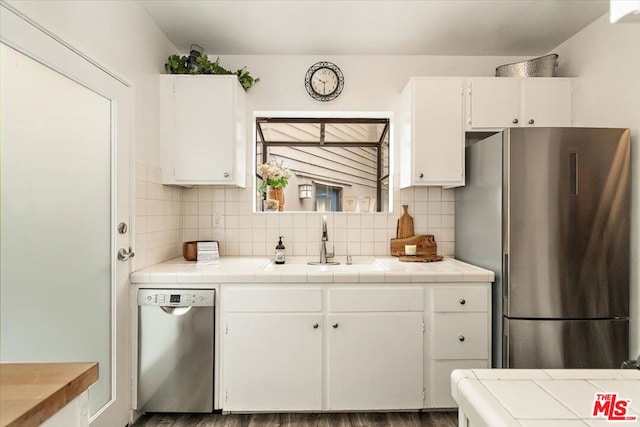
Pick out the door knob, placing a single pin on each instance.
(335, 326)
(531, 121)
(462, 301)
(421, 175)
(124, 255)
(515, 121)
(316, 326)
(461, 338)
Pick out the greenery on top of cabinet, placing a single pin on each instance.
(181, 64)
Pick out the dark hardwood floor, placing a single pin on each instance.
(358, 419)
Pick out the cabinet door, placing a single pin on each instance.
(546, 102)
(440, 391)
(493, 102)
(204, 129)
(272, 362)
(438, 132)
(375, 361)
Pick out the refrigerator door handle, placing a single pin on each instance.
(505, 276)
(573, 173)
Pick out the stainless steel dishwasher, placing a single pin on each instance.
(175, 350)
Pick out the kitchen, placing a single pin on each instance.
(605, 94)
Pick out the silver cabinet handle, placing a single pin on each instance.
(124, 255)
(226, 174)
(462, 301)
(421, 175)
(316, 326)
(531, 121)
(460, 338)
(515, 121)
(335, 325)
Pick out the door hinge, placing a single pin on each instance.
(226, 396)
(423, 328)
(424, 396)
(226, 328)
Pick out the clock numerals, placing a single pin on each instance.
(324, 81)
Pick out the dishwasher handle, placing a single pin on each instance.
(175, 311)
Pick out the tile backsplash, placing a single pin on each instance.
(167, 216)
(158, 218)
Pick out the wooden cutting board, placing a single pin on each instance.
(405, 224)
(420, 258)
(425, 245)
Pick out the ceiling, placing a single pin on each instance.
(373, 27)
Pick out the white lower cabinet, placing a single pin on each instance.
(374, 348)
(459, 336)
(271, 348)
(340, 348)
(273, 362)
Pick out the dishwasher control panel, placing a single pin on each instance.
(177, 297)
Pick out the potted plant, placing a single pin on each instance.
(275, 177)
(197, 63)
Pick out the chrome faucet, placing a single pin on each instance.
(323, 244)
(324, 255)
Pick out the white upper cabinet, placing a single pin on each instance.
(432, 132)
(501, 102)
(203, 130)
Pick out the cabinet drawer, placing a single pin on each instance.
(461, 336)
(376, 299)
(271, 300)
(461, 299)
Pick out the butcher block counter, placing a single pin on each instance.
(31, 393)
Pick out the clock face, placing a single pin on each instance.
(324, 81)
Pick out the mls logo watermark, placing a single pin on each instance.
(607, 405)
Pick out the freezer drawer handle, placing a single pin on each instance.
(462, 301)
(461, 338)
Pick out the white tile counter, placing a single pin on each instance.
(535, 397)
(296, 270)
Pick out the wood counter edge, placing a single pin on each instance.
(46, 407)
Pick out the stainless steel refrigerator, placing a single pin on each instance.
(548, 210)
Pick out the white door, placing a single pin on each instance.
(272, 362)
(375, 361)
(65, 188)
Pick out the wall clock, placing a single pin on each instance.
(324, 81)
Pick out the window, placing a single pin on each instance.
(343, 159)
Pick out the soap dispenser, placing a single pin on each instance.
(280, 252)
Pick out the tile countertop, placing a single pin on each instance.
(550, 397)
(296, 270)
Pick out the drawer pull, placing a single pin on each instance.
(335, 326)
(462, 301)
(315, 326)
(460, 338)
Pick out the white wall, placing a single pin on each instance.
(606, 57)
(372, 83)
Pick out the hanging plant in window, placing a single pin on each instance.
(197, 63)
